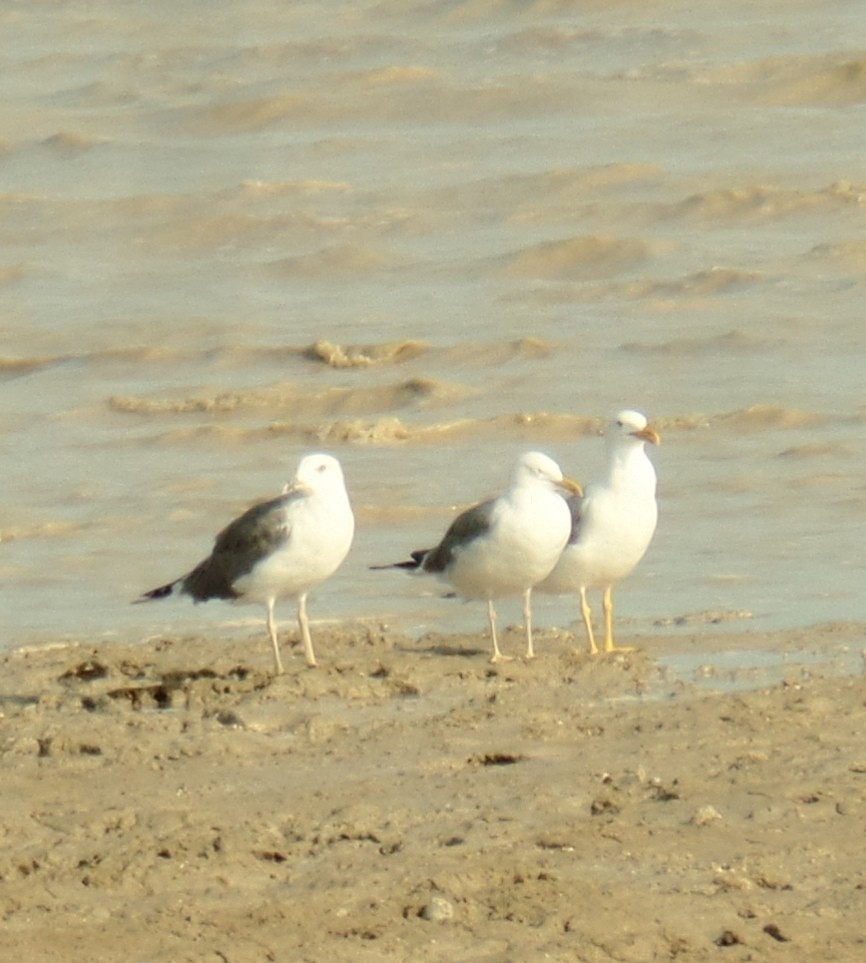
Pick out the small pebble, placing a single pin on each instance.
(705, 815)
(437, 909)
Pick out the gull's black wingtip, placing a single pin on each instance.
(162, 592)
(406, 565)
(410, 565)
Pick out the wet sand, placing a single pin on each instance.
(170, 801)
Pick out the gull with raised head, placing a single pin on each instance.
(612, 524)
(505, 545)
(278, 549)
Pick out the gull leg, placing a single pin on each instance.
(304, 623)
(586, 612)
(607, 604)
(272, 632)
(527, 621)
(491, 616)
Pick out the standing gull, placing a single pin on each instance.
(505, 545)
(278, 549)
(612, 524)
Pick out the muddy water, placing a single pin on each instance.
(427, 237)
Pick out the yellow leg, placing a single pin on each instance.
(272, 632)
(527, 621)
(586, 612)
(491, 617)
(607, 608)
(607, 605)
(304, 623)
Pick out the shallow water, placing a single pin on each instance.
(427, 237)
(739, 670)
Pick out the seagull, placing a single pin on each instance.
(612, 524)
(505, 545)
(279, 548)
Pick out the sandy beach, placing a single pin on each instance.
(171, 801)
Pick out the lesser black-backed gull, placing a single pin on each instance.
(505, 545)
(278, 549)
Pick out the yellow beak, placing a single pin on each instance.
(571, 486)
(648, 434)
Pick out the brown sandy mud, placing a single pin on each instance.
(171, 801)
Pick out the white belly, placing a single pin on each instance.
(316, 547)
(519, 551)
(614, 538)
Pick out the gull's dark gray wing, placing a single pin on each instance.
(575, 506)
(257, 533)
(468, 526)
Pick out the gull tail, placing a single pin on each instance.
(411, 564)
(163, 592)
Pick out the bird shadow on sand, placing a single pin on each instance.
(442, 648)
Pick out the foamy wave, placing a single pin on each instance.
(757, 202)
(381, 431)
(363, 356)
(282, 397)
(130, 404)
(846, 192)
(530, 428)
(541, 426)
(332, 354)
(391, 430)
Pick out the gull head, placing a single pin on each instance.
(318, 472)
(534, 467)
(629, 426)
